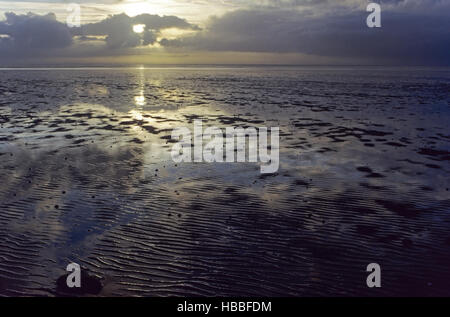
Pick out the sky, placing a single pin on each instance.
(304, 32)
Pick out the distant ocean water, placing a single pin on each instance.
(86, 177)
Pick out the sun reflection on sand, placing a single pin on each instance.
(140, 100)
(137, 115)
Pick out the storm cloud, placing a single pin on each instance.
(21, 34)
(118, 29)
(34, 35)
(409, 37)
(412, 32)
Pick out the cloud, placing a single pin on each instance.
(24, 33)
(118, 29)
(412, 32)
(38, 35)
(408, 34)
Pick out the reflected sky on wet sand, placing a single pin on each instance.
(87, 177)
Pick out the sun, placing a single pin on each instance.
(138, 28)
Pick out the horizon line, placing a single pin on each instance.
(177, 66)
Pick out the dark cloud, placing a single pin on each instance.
(118, 29)
(35, 35)
(409, 33)
(405, 36)
(24, 33)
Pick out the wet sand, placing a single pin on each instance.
(87, 177)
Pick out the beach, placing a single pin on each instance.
(87, 177)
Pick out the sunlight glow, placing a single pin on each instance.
(138, 28)
(133, 8)
(174, 33)
(139, 100)
(137, 115)
(194, 11)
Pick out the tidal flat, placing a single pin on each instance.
(364, 177)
